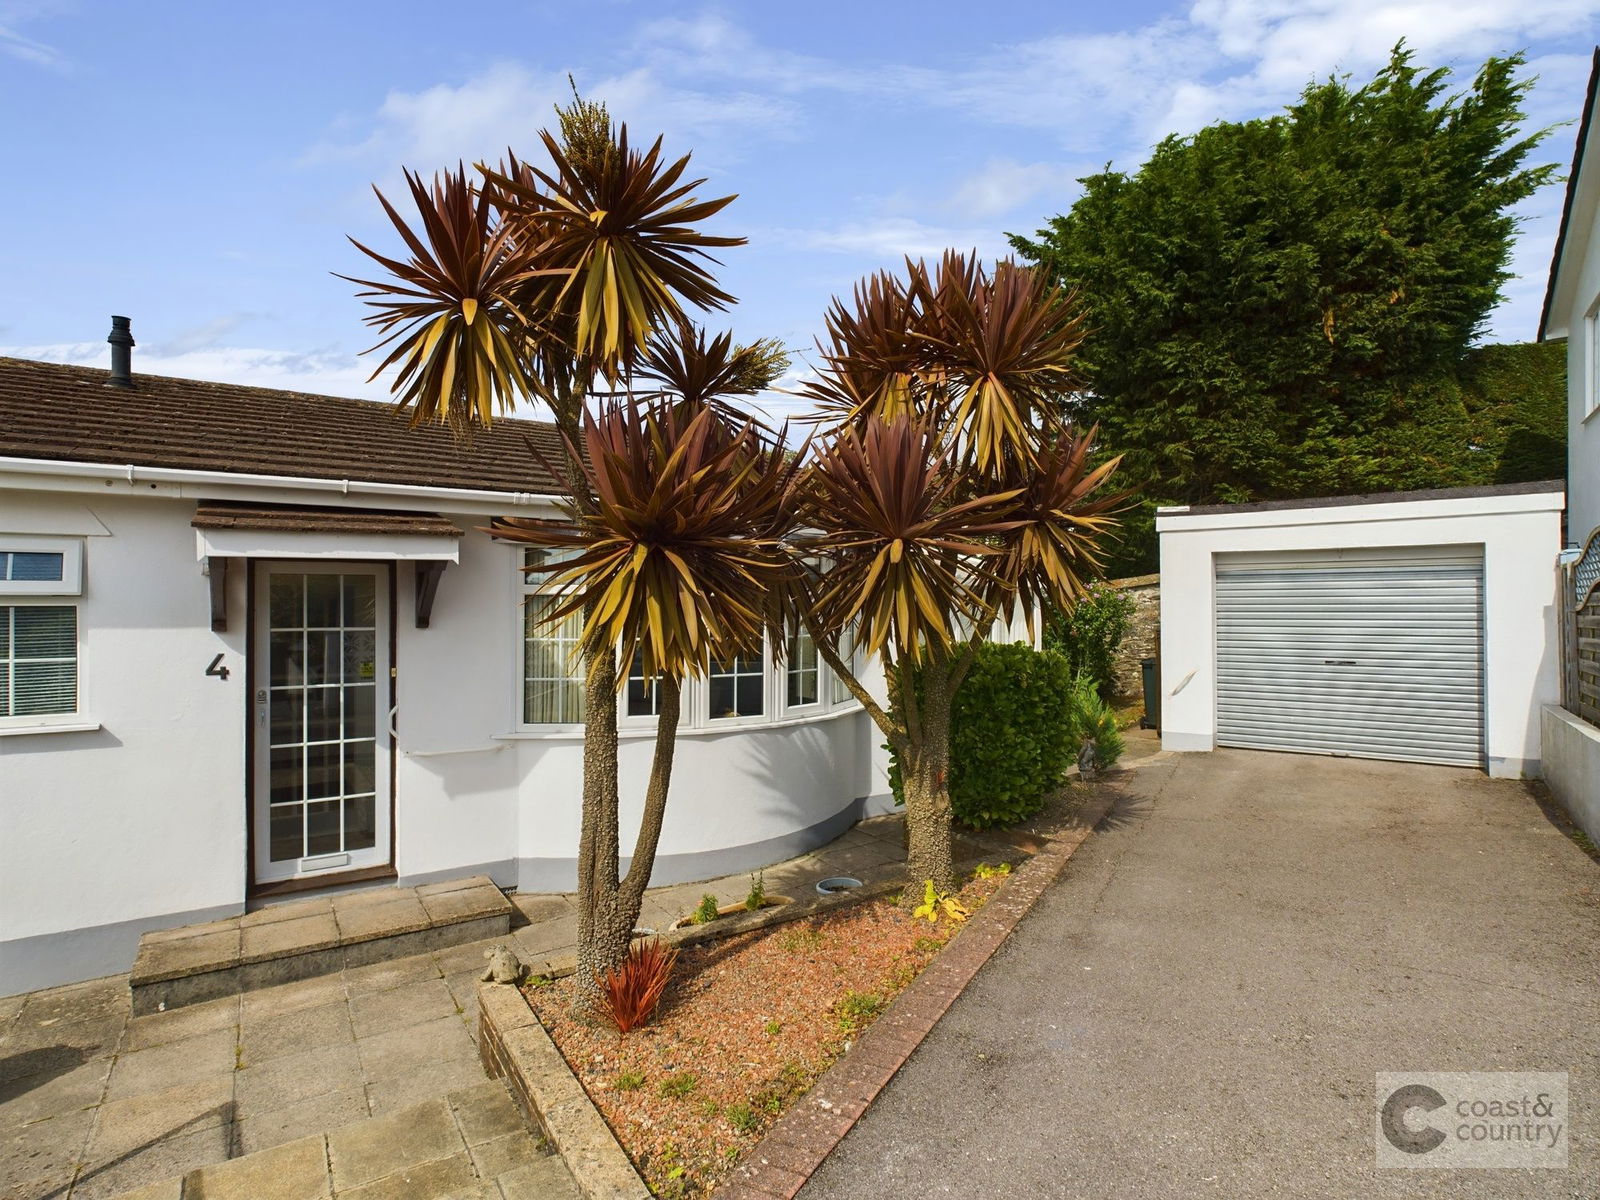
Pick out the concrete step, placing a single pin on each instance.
(289, 942)
(472, 1144)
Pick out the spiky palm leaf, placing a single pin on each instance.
(987, 356)
(904, 554)
(704, 372)
(450, 314)
(1062, 512)
(1004, 342)
(620, 228)
(676, 552)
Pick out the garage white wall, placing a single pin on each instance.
(1519, 532)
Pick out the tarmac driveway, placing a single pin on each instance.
(1200, 1005)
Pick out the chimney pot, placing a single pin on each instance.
(121, 340)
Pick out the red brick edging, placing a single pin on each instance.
(805, 1135)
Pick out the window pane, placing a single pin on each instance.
(322, 828)
(286, 833)
(551, 672)
(285, 770)
(322, 714)
(322, 770)
(322, 601)
(31, 566)
(360, 823)
(358, 767)
(360, 657)
(358, 711)
(322, 657)
(802, 670)
(750, 698)
(287, 708)
(286, 602)
(720, 690)
(46, 631)
(641, 694)
(40, 688)
(288, 659)
(360, 601)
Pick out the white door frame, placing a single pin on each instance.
(347, 635)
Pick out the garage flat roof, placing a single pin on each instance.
(1461, 493)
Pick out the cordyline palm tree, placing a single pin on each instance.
(546, 282)
(677, 554)
(948, 494)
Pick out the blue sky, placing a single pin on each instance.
(197, 166)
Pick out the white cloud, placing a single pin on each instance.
(326, 372)
(508, 104)
(1003, 186)
(887, 240)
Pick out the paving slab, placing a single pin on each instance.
(296, 1170)
(129, 1102)
(377, 1148)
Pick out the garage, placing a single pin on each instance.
(1351, 652)
(1414, 626)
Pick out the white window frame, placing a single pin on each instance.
(71, 551)
(769, 714)
(824, 684)
(531, 587)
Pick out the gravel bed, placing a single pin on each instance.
(746, 1027)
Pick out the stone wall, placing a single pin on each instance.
(1143, 639)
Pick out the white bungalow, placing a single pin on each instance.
(256, 642)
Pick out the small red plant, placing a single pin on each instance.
(630, 993)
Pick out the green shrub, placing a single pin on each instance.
(1011, 735)
(1093, 718)
(1089, 633)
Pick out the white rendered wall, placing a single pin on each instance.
(140, 823)
(1520, 536)
(1575, 302)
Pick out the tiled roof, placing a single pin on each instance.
(61, 413)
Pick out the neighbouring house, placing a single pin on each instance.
(1572, 312)
(254, 642)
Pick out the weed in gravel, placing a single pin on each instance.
(680, 1084)
(742, 1117)
(758, 892)
(985, 871)
(772, 1028)
(800, 939)
(707, 911)
(856, 1008)
(710, 1108)
(628, 1081)
(928, 945)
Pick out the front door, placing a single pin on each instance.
(321, 715)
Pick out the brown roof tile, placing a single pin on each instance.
(290, 518)
(61, 413)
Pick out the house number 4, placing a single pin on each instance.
(216, 668)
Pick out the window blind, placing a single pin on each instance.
(38, 659)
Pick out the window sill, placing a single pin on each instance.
(74, 725)
(646, 727)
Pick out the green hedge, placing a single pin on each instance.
(1016, 725)
(1090, 632)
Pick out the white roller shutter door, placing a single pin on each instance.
(1375, 659)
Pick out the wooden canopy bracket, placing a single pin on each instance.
(217, 577)
(428, 572)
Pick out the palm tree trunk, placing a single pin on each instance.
(925, 780)
(598, 836)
